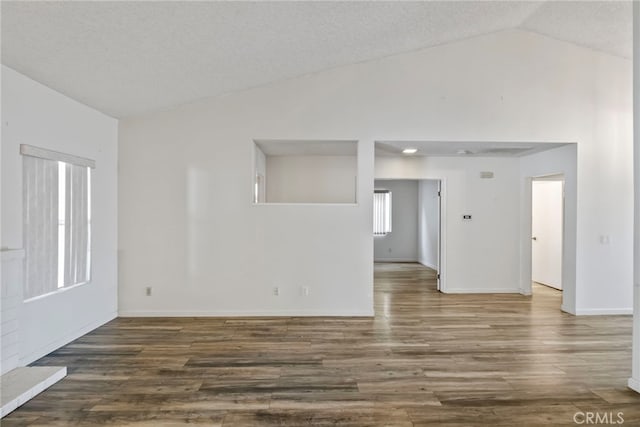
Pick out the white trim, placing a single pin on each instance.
(567, 310)
(12, 254)
(57, 291)
(19, 376)
(66, 339)
(603, 311)
(428, 265)
(43, 153)
(248, 313)
(481, 291)
(634, 384)
(397, 260)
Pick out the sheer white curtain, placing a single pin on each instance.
(41, 225)
(57, 220)
(76, 225)
(381, 212)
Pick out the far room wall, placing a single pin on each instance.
(311, 179)
(480, 255)
(401, 245)
(225, 257)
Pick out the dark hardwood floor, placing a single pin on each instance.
(425, 359)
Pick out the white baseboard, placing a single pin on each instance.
(23, 384)
(46, 349)
(603, 311)
(568, 310)
(481, 291)
(429, 265)
(395, 260)
(258, 313)
(634, 384)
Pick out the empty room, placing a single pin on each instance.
(343, 213)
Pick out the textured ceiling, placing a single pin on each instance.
(127, 58)
(605, 26)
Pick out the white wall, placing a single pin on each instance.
(558, 161)
(428, 223)
(634, 381)
(189, 229)
(480, 255)
(402, 243)
(10, 306)
(311, 179)
(33, 114)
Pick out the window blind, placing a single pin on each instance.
(76, 223)
(381, 212)
(40, 225)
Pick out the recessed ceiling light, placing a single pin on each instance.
(410, 150)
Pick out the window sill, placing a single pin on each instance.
(57, 291)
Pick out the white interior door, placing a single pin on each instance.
(546, 226)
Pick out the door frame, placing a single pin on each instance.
(553, 178)
(526, 287)
(441, 240)
(442, 233)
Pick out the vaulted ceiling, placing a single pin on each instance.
(127, 58)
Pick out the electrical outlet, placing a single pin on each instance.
(148, 291)
(304, 291)
(276, 291)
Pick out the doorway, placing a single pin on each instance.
(547, 228)
(409, 229)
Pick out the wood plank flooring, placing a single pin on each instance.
(425, 359)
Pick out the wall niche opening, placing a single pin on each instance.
(305, 171)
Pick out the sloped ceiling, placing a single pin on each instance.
(128, 58)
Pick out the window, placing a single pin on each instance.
(57, 220)
(381, 212)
